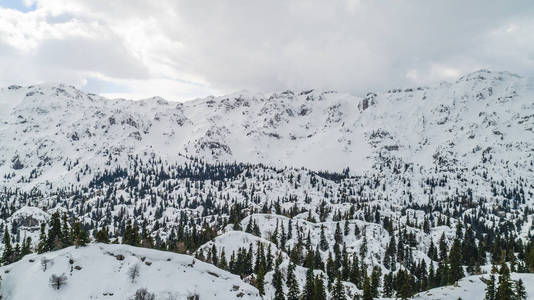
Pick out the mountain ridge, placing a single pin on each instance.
(298, 129)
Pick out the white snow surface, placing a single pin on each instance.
(103, 276)
(472, 287)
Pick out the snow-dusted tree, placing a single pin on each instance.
(144, 294)
(44, 263)
(57, 281)
(520, 291)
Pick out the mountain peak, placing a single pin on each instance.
(485, 74)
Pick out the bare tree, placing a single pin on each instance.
(144, 294)
(58, 281)
(133, 273)
(44, 263)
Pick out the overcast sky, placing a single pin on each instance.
(185, 49)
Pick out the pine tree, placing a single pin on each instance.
(432, 278)
(213, 257)
(131, 234)
(323, 242)
(308, 260)
(455, 259)
(355, 276)
(338, 236)
(8, 254)
(405, 290)
(504, 290)
(432, 252)
(26, 246)
(260, 280)
(443, 273)
(248, 229)
(375, 281)
(66, 239)
(530, 258)
(389, 257)
(16, 253)
(320, 292)
(345, 264)
(520, 291)
(339, 291)
(309, 288)
(78, 235)
(367, 290)
(146, 239)
(404, 286)
(356, 230)
(260, 258)
(388, 285)
(102, 236)
(222, 261)
(442, 248)
(490, 288)
(317, 259)
(330, 267)
(292, 283)
(283, 237)
(363, 247)
(55, 236)
(278, 284)
(42, 247)
(269, 259)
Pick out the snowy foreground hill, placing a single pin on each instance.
(308, 194)
(103, 271)
(471, 287)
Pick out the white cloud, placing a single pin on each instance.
(182, 49)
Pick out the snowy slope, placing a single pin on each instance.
(95, 272)
(472, 287)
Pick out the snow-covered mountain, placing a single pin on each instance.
(50, 132)
(318, 178)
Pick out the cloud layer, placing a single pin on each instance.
(185, 49)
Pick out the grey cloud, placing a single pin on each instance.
(104, 55)
(281, 44)
(349, 45)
